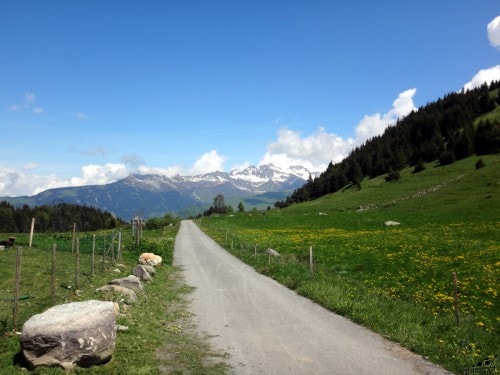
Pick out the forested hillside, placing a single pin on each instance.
(449, 129)
(54, 218)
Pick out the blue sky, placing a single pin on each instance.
(91, 91)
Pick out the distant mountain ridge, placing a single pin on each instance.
(154, 194)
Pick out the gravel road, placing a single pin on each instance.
(269, 329)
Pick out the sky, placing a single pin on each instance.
(91, 91)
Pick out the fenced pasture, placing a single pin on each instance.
(430, 283)
(51, 271)
(155, 341)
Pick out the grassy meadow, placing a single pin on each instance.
(396, 280)
(159, 339)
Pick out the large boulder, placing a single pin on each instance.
(141, 273)
(74, 334)
(150, 259)
(128, 294)
(131, 282)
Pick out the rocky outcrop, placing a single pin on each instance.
(74, 334)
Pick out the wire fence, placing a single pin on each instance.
(35, 278)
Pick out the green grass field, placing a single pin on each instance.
(396, 280)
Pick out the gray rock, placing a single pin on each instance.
(391, 223)
(151, 270)
(141, 273)
(129, 294)
(74, 334)
(131, 282)
(272, 252)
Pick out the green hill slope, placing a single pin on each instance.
(397, 280)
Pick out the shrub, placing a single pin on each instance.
(419, 167)
(447, 157)
(393, 175)
(479, 164)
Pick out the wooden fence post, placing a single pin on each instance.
(77, 262)
(92, 260)
(311, 268)
(104, 254)
(53, 275)
(112, 248)
(31, 231)
(15, 308)
(119, 253)
(73, 240)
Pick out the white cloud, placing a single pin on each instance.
(373, 125)
(494, 32)
(483, 76)
(16, 182)
(317, 150)
(208, 162)
(93, 174)
(81, 116)
(314, 151)
(27, 104)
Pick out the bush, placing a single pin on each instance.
(447, 157)
(393, 175)
(419, 167)
(480, 164)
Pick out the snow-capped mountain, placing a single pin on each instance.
(155, 195)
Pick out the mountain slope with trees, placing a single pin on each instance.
(449, 129)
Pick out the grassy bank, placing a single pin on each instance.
(396, 280)
(159, 339)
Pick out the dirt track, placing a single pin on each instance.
(269, 329)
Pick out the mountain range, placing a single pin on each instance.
(155, 195)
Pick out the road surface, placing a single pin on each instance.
(269, 329)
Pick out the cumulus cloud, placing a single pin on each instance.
(22, 181)
(314, 151)
(493, 29)
(320, 148)
(483, 76)
(93, 174)
(18, 182)
(208, 162)
(373, 125)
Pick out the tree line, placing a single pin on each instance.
(444, 130)
(54, 218)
